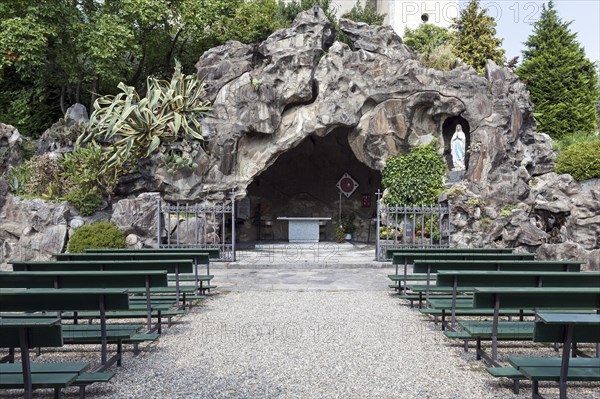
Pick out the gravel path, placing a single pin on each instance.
(303, 344)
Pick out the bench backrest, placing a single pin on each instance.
(421, 266)
(185, 266)
(516, 279)
(401, 257)
(533, 297)
(83, 279)
(214, 253)
(543, 332)
(39, 337)
(198, 258)
(390, 252)
(64, 299)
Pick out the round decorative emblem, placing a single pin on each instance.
(347, 185)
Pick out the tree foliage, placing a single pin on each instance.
(435, 45)
(475, 39)
(367, 14)
(563, 83)
(416, 178)
(54, 53)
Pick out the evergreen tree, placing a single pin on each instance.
(562, 81)
(475, 40)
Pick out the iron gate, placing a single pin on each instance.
(403, 226)
(198, 226)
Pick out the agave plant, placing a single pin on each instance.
(131, 124)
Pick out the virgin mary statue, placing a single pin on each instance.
(457, 148)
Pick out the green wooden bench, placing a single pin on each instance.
(83, 378)
(198, 258)
(568, 329)
(406, 258)
(26, 334)
(214, 253)
(526, 298)
(390, 252)
(173, 266)
(435, 266)
(69, 299)
(146, 279)
(460, 281)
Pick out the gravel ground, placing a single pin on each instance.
(304, 344)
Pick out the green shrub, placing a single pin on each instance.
(85, 201)
(582, 161)
(575, 138)
(84, 168)
(38, 177)
(441, 58)
(97, 235)
(415, 178)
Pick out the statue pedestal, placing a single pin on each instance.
(454, 176)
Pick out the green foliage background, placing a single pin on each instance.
(416, 178)
(563, 83)
(582, 160)
(475, 39)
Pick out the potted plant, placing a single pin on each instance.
(348, 225)
(340, 233)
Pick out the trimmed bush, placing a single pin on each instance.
(582, 161)
(97, 235)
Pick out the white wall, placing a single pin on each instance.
(403, 13)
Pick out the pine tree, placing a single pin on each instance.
(562, 81)
(475, 40)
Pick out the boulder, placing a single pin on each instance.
(11, 147)
(138, 215)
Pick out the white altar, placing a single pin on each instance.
(303, 229)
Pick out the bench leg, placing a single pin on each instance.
(478, 349)
(136, 349)
(466, 345)
(11, 355)
(82, 392)
(535, 390)
(516, 386)
(119, 353)
(57, 393)
(443, 319)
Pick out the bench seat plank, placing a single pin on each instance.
(38, 380)
(553, 373)
(64, 367)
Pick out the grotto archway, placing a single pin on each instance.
(302, 182)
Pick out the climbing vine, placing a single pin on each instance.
(416, 178)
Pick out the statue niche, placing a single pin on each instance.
(455, 131)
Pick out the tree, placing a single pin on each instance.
(426, 37)
(475, 39)
(367, 14)
(54, 53)
(288, 11)
(434, 44)
(563, 83)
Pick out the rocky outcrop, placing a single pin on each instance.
(32, 229)
(300, 83)
(137, 218)
(61, 136)
(11, 147)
